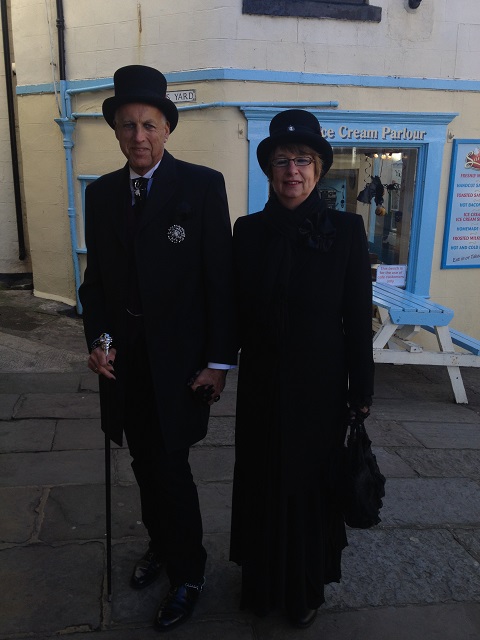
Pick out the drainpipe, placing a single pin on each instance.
(61, 40)
(67, 128)
(22, 254)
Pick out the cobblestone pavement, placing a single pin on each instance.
(416, 576)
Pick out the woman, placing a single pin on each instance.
(304, 293)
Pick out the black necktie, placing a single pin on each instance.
(140, 191)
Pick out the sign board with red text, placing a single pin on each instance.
(392, 274)
(461, 242)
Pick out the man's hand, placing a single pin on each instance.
(211, 377)
(98, 362)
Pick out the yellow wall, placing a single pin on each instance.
(439, 40)
(216, 138)
(46, 197)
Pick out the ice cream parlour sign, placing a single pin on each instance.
(461, 242)
(387, 134)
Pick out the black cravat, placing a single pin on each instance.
(140, 191)
(134, 217)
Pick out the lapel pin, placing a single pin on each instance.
(176, 233)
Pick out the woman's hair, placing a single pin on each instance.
(298, 150)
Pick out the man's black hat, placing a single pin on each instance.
(137, 83)
(295, 126)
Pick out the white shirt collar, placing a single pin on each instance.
(148, 175)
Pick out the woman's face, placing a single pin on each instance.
(292, 184)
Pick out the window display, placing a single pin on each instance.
(377, 183)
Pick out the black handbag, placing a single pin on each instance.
(364, 483)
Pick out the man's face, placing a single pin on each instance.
(141, 131)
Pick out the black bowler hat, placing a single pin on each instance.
(137, 83)
(295, 126)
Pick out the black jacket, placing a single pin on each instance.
(185, 287)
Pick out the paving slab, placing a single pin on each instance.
(26, 435)
(386, 390)
(431, 502)
(195, 630)
(212, 464)
(57, 382)
(58, 405)
(221, 432)
(392, 465)
(8, 402)
(442, 463)
(53, 468)
(78, 513)
(408, 411)
(470, 540)
(88, 381)
(215, 504)
(20, 354)
(432, 622)
(445, 435)
(413, 389)
(223, 580)
(389, 433)
(51, 589)
(226, 405)
(83, 433)
(122, 466)
(404, 566)
(21, 505)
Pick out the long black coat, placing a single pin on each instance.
(306, 350)
(185, 287)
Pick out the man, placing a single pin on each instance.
(158, 282)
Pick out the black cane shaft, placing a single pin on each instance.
(108, 515)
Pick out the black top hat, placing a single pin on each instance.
(137, 83)
(295, 126)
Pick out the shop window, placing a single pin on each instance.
(379, 184)
(336, 9)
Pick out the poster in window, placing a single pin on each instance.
(461, 242)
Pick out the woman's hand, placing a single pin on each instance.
(361, 413)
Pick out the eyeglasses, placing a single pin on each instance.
(301, 161)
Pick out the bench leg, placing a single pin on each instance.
(383, 335)
(445, 343)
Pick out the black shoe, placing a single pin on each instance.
(177, 606)
(146, 571)
(304, 620)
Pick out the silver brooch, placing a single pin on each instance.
(291, 128)
(176, 233)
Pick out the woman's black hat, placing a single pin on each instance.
(137, 83)
(295, 126)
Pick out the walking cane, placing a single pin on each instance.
(108, 516)
(105, 342)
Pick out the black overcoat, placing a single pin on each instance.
(185, 287)
(306, 350)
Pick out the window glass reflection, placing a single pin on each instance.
(378, 184)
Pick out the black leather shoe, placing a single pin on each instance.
(304, 620)
(146, 571)
(177, 606)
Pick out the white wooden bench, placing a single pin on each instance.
(401, 316)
